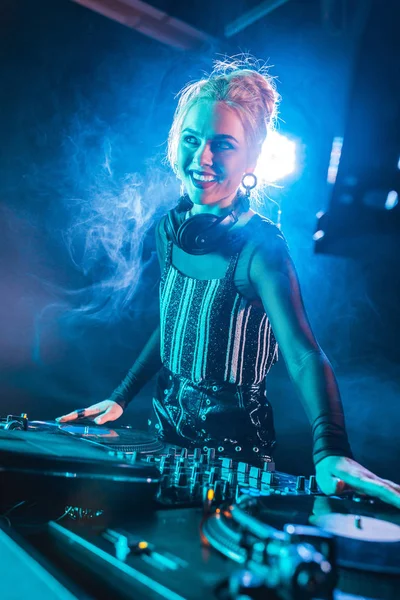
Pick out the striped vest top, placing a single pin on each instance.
(210, 332)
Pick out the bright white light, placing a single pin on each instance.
(277, 158)
(335, 159)
(318, 235)
(392, 200)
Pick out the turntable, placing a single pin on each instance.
(64, 471)
(124, 439)
(366, 534)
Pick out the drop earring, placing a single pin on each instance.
(249, 182)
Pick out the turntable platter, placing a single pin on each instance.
(124, 440)
(359, 527)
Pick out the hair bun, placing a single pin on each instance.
(254, 75)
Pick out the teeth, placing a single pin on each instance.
(203, 177)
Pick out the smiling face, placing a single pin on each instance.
(212, 154)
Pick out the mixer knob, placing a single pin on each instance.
(196, 454)
(179, 468)
(232, 479)
(312, 484)
(226, 490)
(218, 495)
(237, 493)
(195, 489)
(255, 473)
(227, 463)
(164, 483)
(195, 474)
(184, 453)
(165, 462)
(133, 457)
(269, 478)
(181, 463)
(213, 476)
(269, 465)
(300, 483)
(196, 477)
(182, 479)
(210, 455)
(243, 468)
(194, 471)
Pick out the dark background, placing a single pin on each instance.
(86, 105)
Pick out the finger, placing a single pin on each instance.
(327, 484)
(72, 416)
(104, 417)
(330, 485)
(374, 487)
(392, 484)
(361, 472)
(79, 414)
(341, 486)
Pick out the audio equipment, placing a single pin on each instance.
(200, 234)
(125, 515)
(60, 471)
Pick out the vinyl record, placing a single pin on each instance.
(124, 439)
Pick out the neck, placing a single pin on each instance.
(220, 209)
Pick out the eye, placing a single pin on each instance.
(224, 145)
(190, 139)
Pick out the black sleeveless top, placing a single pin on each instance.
(210, 331)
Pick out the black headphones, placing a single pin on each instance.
(202, 233)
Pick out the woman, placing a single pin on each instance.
(229, 295)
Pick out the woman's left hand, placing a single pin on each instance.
(336, 474)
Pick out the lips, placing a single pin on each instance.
(201, 184)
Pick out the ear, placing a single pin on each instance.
(250, 169)
(251, 162)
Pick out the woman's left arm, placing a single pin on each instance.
(275, 280)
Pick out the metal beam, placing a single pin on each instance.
(151, 22)
(251, 16)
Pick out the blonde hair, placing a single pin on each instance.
(243, 84)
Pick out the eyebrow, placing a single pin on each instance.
(217, 136)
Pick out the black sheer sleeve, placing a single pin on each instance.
(148, 363)
(144, 368)
(274, 278)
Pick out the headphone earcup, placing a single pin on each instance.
(197, 235)
(201, 233)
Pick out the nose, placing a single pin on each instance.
(204, 155)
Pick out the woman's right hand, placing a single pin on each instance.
(102, 411)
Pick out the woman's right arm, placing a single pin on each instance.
(147, 364)
(145, 367)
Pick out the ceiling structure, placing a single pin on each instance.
(189, 25)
